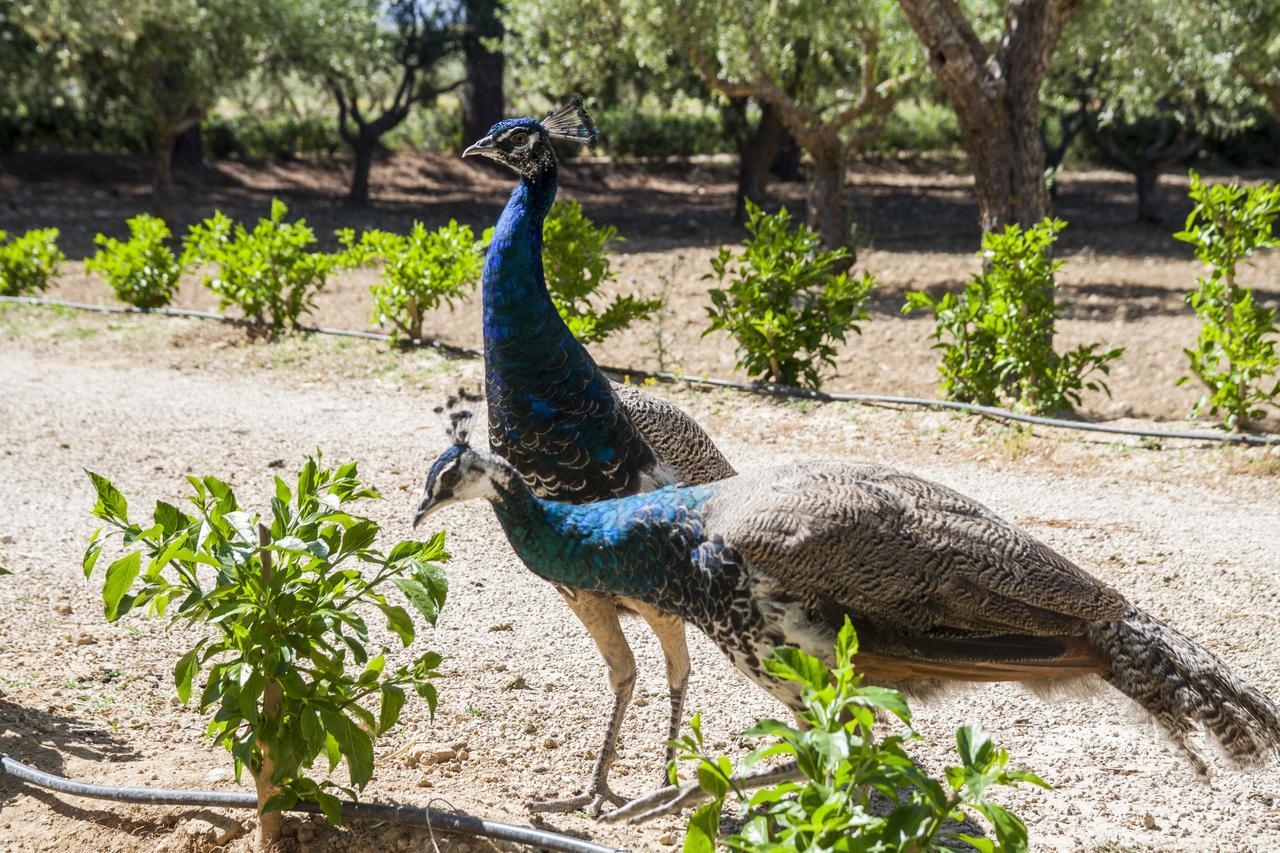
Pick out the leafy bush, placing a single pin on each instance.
(28, 262)
(844, 764)
(280, 621)
(1235, 355)
(420, 271)
(268, 272)
(631, 133)
(997, 337)
(577, 264)
(142, 271)
(270, 137)
(786, 303)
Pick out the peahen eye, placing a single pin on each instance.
(450, 479)
(519, 138)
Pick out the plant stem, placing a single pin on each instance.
(268, 824)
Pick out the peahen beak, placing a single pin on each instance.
(429, 504)
(484, 147)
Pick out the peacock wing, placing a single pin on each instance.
(909, 556)
(675, 437)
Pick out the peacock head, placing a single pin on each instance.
(524, 144)
(462, 472)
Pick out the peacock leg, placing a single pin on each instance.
(673, 798)
(670, 633)
(599, 614)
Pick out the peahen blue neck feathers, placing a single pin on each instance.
(552, 412)
(647, 546)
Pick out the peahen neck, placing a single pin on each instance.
(642, 546)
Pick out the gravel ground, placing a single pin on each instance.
(1190, 533)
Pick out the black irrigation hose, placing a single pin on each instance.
(751, 387)
(450, 822)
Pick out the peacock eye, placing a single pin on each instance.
(519, 139)
(450, 478)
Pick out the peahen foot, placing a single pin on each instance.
(592, 802)
(663, 801)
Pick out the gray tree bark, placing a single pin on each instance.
(996, 97)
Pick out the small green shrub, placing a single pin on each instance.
(277, 598)
(996, 338)
(577, 264)
(269, 272)
(1235, 354)
(786, 303)
(420, 271)
(28, 262)
(844, 763)
(142, 270)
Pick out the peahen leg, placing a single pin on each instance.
(670, 633)
(600, 616)
(673, 798)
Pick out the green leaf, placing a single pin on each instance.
(389, 710)
(120, 576)
(973, 742)
(170, 518)
(4, 571)
(420, 597)
(704, 828)
(399, 622)
(359, 536)
(331, 806)
(355, 745)
(185, 671)
(111, 505)
(92, 552)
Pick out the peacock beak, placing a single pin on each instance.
(484, 147)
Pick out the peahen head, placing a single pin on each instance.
(524, 144)
(462, 472)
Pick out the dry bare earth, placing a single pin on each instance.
(1190, 533)
(1123, 284)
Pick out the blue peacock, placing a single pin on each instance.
(939, 588)
(570, 432)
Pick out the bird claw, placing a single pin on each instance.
(663, 801)
(592, 802)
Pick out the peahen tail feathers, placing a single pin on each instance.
(1185, 686)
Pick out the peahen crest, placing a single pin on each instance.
(461, 418)
(572, 122)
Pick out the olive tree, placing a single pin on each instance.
(164, 63)
(992, 74)
(1151, 82)
(827, 73)
(378, 60)
(1252, 27)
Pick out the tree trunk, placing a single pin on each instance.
(482, 99)
(1146, 179)
(362, 164)
(826, 211)
(786, 163)
(162, 172)
(188, 149)
(996, 98)
(757, 148)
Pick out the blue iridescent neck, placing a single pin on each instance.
(514, 285)
(625, 546)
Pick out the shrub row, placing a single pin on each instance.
(785, 301)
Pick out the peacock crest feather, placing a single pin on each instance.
(572, 122)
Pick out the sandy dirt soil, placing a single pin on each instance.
(1123, 284)
(1190, 533)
